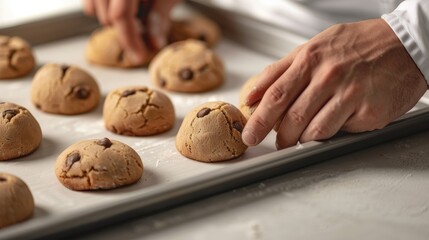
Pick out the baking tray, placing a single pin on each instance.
(169, 179)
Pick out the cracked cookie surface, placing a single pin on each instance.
(20, 133)
(138, 111)
(98, 164)
(16, 57)
(64, 89)
(196, 27)
(187, 66)
(103, 48)
(16, 200)
(211, 132)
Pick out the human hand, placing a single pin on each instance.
(354, 77)
(123, 16)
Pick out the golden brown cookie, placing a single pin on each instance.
(245, 90)
(187, 66)
(211, 132)
(16, 57)
(138, 111)
(98, 164)
(196, 27)
(16, 200)
(103, 48)
(64, 89)
(20, 133)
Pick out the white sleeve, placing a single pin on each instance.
(410, 22)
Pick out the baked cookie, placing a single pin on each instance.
(16, 200)
(64, 89)
(16, 57)
(187, 66)
(196, 27)
(245, 90)
(20, 133)
(138, 111)
(211, 132)
(103, 48)
(98, 164)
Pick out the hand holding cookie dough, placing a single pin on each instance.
(98, 164)
(123, 16)
(16, 200)
(16, 57)
(64, 89)
(211, 132)
(20, 133)
(356, 77)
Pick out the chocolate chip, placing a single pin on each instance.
(38, 106)
(9, 114)
(105, 142)
(2, 103)
(64, 68)
(203, 112)
(237, 125)
(186, 74)
(121, 56)
(202, 37)
(72, 158)
(81, 92)
(127, 93)
(2, 179)
(162, 82)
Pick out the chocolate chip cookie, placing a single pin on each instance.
(16, 200)
(20, 133)
(98, 164)
(64, 89)
(104, 48)
(138, 111)
(187, 66)
(16, 57)
(211, 132)
(196, 27)
(244, 92)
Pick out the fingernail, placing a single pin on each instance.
(249, 138)
(248, 103)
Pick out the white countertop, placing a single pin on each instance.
(378, 193)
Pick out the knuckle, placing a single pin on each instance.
(332, 74)
(319, 132)
(297, 118)
(260, 123)
(277, 95)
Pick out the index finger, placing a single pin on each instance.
(268, 76)
(123, 15)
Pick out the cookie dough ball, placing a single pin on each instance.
(20, 133)
(98, 164)
(187, 66)
(16, 57)
(245, 90)
(197, 27)
(64, 89)
(211, 133)
(138, 111)
(16, 200)
(104, 48)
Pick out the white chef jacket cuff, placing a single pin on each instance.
(419, 55)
